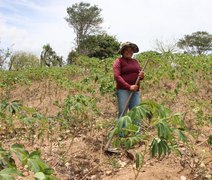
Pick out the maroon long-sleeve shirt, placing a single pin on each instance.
(125, 72)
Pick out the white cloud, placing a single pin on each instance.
(30, 34)
(146, 20)
(11, 35)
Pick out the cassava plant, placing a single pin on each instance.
(32, 161)
(8, 110)
(139, 162)
(75, 110)
(168, 126)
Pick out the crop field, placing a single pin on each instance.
(55, 122)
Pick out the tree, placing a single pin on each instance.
(23, 60)
(4, 54)
(100, 46)
(165, 47)
(197, 43)
(85, 20)
(49, 57)
(72, 56)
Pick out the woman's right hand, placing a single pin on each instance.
(133, 87)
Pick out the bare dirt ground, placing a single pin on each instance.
(82, 156)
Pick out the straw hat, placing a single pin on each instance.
(128, 44)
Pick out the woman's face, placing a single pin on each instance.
(128, 53)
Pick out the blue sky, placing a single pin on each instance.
(26, 25)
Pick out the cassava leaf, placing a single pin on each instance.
(139, 160)
(210, 140)
(35, 154)
(9, 174)
(153, 147)
(21, 152)
(182, 136)
(40, 176)
(33, 165)
(160, 149)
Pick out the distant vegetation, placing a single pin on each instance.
(197, 43)
(92, 41)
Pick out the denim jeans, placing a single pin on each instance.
(122, 100)
(123, 97)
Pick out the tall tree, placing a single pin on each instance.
(23, 60)
(49, 57)
(85, 20)
(197, 43)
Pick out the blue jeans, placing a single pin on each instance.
(122, 100)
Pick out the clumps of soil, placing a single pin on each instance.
(80, 166)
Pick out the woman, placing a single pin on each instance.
(126, 71)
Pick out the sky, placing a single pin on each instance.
(27, 25)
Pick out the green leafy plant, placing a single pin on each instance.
(210, 140)
(75, 110)
(139, 161)
(162, 120)
(31, 160)
(7, 112)
(6, 160)
(9, 173)
(10, 107)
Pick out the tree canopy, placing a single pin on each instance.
(84, 19)
(49, 57)
(23, 60)
(197, 43)
(100, 46)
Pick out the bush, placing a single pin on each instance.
(23, 60)
(99, 46)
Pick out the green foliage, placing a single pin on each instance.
(149, 55)
(162, 119)
(28, 118)
(114, 163)
(210, 140)
(197, 43)
(31, 160)
(84, 19)
(159, 146)
(72, 56)
(62, 76)
(9, 174)
(139, 162)
(49, 57)
(183, 71)
(164, 131)
(77, 110)
(4, 54)
(106, 84)
(7, 112)
(42, 176)
(23, 60)
(21, 153)
(6, 160)
(89, 80)
(100, 46)
(181, 136)
(10, 107)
